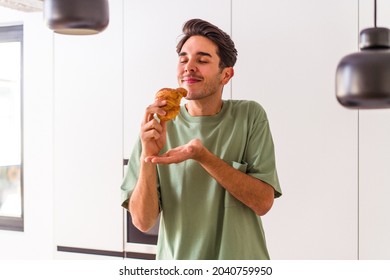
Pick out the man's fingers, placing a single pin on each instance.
(153, 125)
(155, 108)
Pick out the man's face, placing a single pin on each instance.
(198, 68)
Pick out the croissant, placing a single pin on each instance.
(173, 98)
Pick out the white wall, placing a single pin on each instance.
(85, 97)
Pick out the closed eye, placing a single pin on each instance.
(202, 57)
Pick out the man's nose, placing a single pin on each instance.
(190, 66)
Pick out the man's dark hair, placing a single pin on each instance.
(226, 49)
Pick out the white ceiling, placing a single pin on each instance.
(23, 5)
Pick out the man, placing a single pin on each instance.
(211, 172)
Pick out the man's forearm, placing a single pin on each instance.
(254, 193)
(143, 204)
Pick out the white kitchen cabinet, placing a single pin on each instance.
(288, 53)
(374, 177)
(88, 91)
(374, 167)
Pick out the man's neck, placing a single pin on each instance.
(203, 107)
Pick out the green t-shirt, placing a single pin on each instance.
(199, 218)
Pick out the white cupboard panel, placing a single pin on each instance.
(288, 53)
(374, 207)
(374, 175)
(88, 90)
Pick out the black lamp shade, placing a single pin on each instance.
(363, 78)
(76, 17)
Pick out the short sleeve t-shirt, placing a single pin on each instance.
(199, 218)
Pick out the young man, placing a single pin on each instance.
(211, 172)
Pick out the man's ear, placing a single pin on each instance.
(227, 74)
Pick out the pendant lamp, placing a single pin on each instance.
(363, 78)
(76, 17)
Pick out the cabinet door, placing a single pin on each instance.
(374, 158)
(288, 53)
(88, 137)
(151, 32)
(374, 175)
